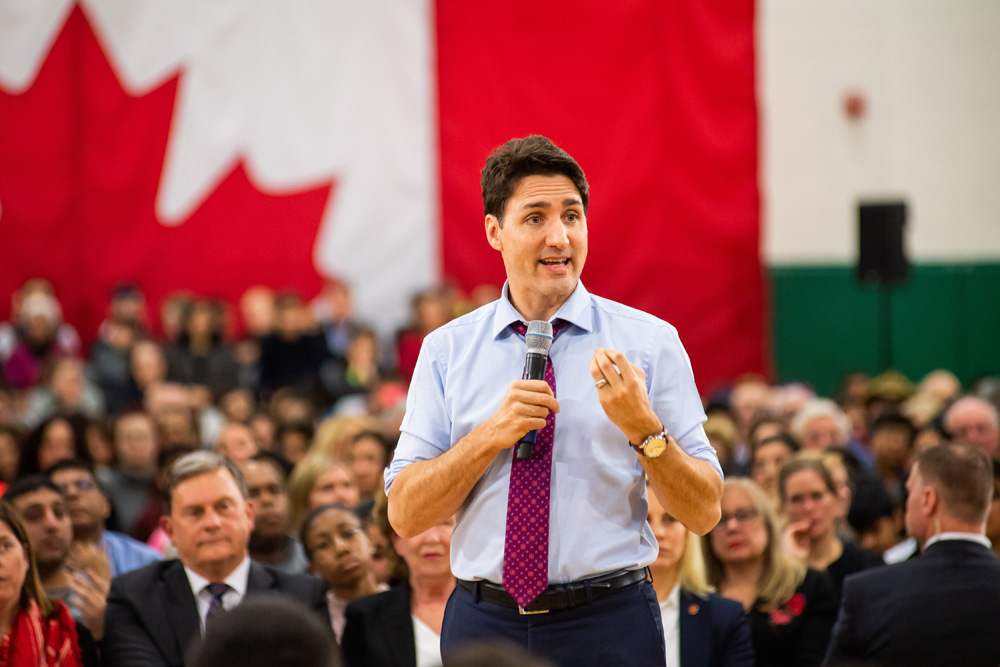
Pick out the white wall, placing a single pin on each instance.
(930, 72)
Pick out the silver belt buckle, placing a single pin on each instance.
(522, 612)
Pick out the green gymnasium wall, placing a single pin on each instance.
(826, 324)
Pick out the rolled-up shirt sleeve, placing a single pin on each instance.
(426, 429)
(674, 396)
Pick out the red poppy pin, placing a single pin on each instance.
(788, 611)
(693, 609)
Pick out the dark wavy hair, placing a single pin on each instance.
(531, 156)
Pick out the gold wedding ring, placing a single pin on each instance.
(600, 383)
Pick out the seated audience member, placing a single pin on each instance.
(890, 440)
(109, 368)
(940, 608)
(333, 309)
(402, 626)
(334, 435)
(66, 392)
(763, 427)
(34, 628)
(810, 500)
(699, 628)
(89, 509)
(339, 553)
(320, 480)
(237, 442)
(356, 374)
(38, 341)
(876, 520)
(270, 541)
(766, 459)
(750, 397)
(790, 607)
(147, 369)
(721, 431)
(975, 421)
(821, 424)
(267, 631)
(200, 356)
(369, 455)
(238, 405)
(132, 482)
(57, 438)
(292, 439)
(79, 577)
(292, 355)
(155, 612)
(100, 446)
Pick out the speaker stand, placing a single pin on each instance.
(885, 326)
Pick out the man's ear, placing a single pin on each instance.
(167, 526)
(493, 232)
(931, 502)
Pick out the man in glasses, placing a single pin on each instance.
(89, 509)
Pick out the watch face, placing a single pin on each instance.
(655, 447)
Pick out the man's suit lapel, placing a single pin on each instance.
(259, 580)
(181, 610)
(695, 629)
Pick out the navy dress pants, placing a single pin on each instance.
(622, 629)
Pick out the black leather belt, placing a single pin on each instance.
(559, 596)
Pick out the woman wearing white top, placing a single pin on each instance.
(700, 628)
(402, 626)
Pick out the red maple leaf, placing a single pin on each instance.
(80, 163)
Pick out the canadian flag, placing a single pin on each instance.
(213, 145)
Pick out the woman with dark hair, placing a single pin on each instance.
(337, 547)
(58, 437)
(812, 503)
(200, 356)
(34, 630)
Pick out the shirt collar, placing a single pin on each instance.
(673, 601)
(577, 310)
(237, 579)
(969, 537)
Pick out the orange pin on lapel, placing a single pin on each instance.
(693, 609)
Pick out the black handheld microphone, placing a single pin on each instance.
(539, 339)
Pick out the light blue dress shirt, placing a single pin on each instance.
(598, 502)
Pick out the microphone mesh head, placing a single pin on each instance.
(539, 337)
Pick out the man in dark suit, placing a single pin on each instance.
(155, 612)
(944, 607)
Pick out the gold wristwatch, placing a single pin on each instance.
(652, 446)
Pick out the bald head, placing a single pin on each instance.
(975, 421)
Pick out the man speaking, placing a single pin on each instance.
(550, 551)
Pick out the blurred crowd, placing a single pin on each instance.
(307, 401)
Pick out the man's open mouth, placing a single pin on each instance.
(556, 262)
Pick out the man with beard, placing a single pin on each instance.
(88, 509)
(79, 576)
(270, 542)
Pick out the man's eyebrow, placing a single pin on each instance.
(572, 201)
(535, 204)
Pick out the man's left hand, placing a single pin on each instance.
(624, 397)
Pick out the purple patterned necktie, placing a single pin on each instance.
(526, 542)
(215, 607)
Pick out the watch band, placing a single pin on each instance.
(655, 451)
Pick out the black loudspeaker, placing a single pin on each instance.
(881, 254)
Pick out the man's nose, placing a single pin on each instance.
(556, 235)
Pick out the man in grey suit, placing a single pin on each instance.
(155, 612)
(942, 608)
